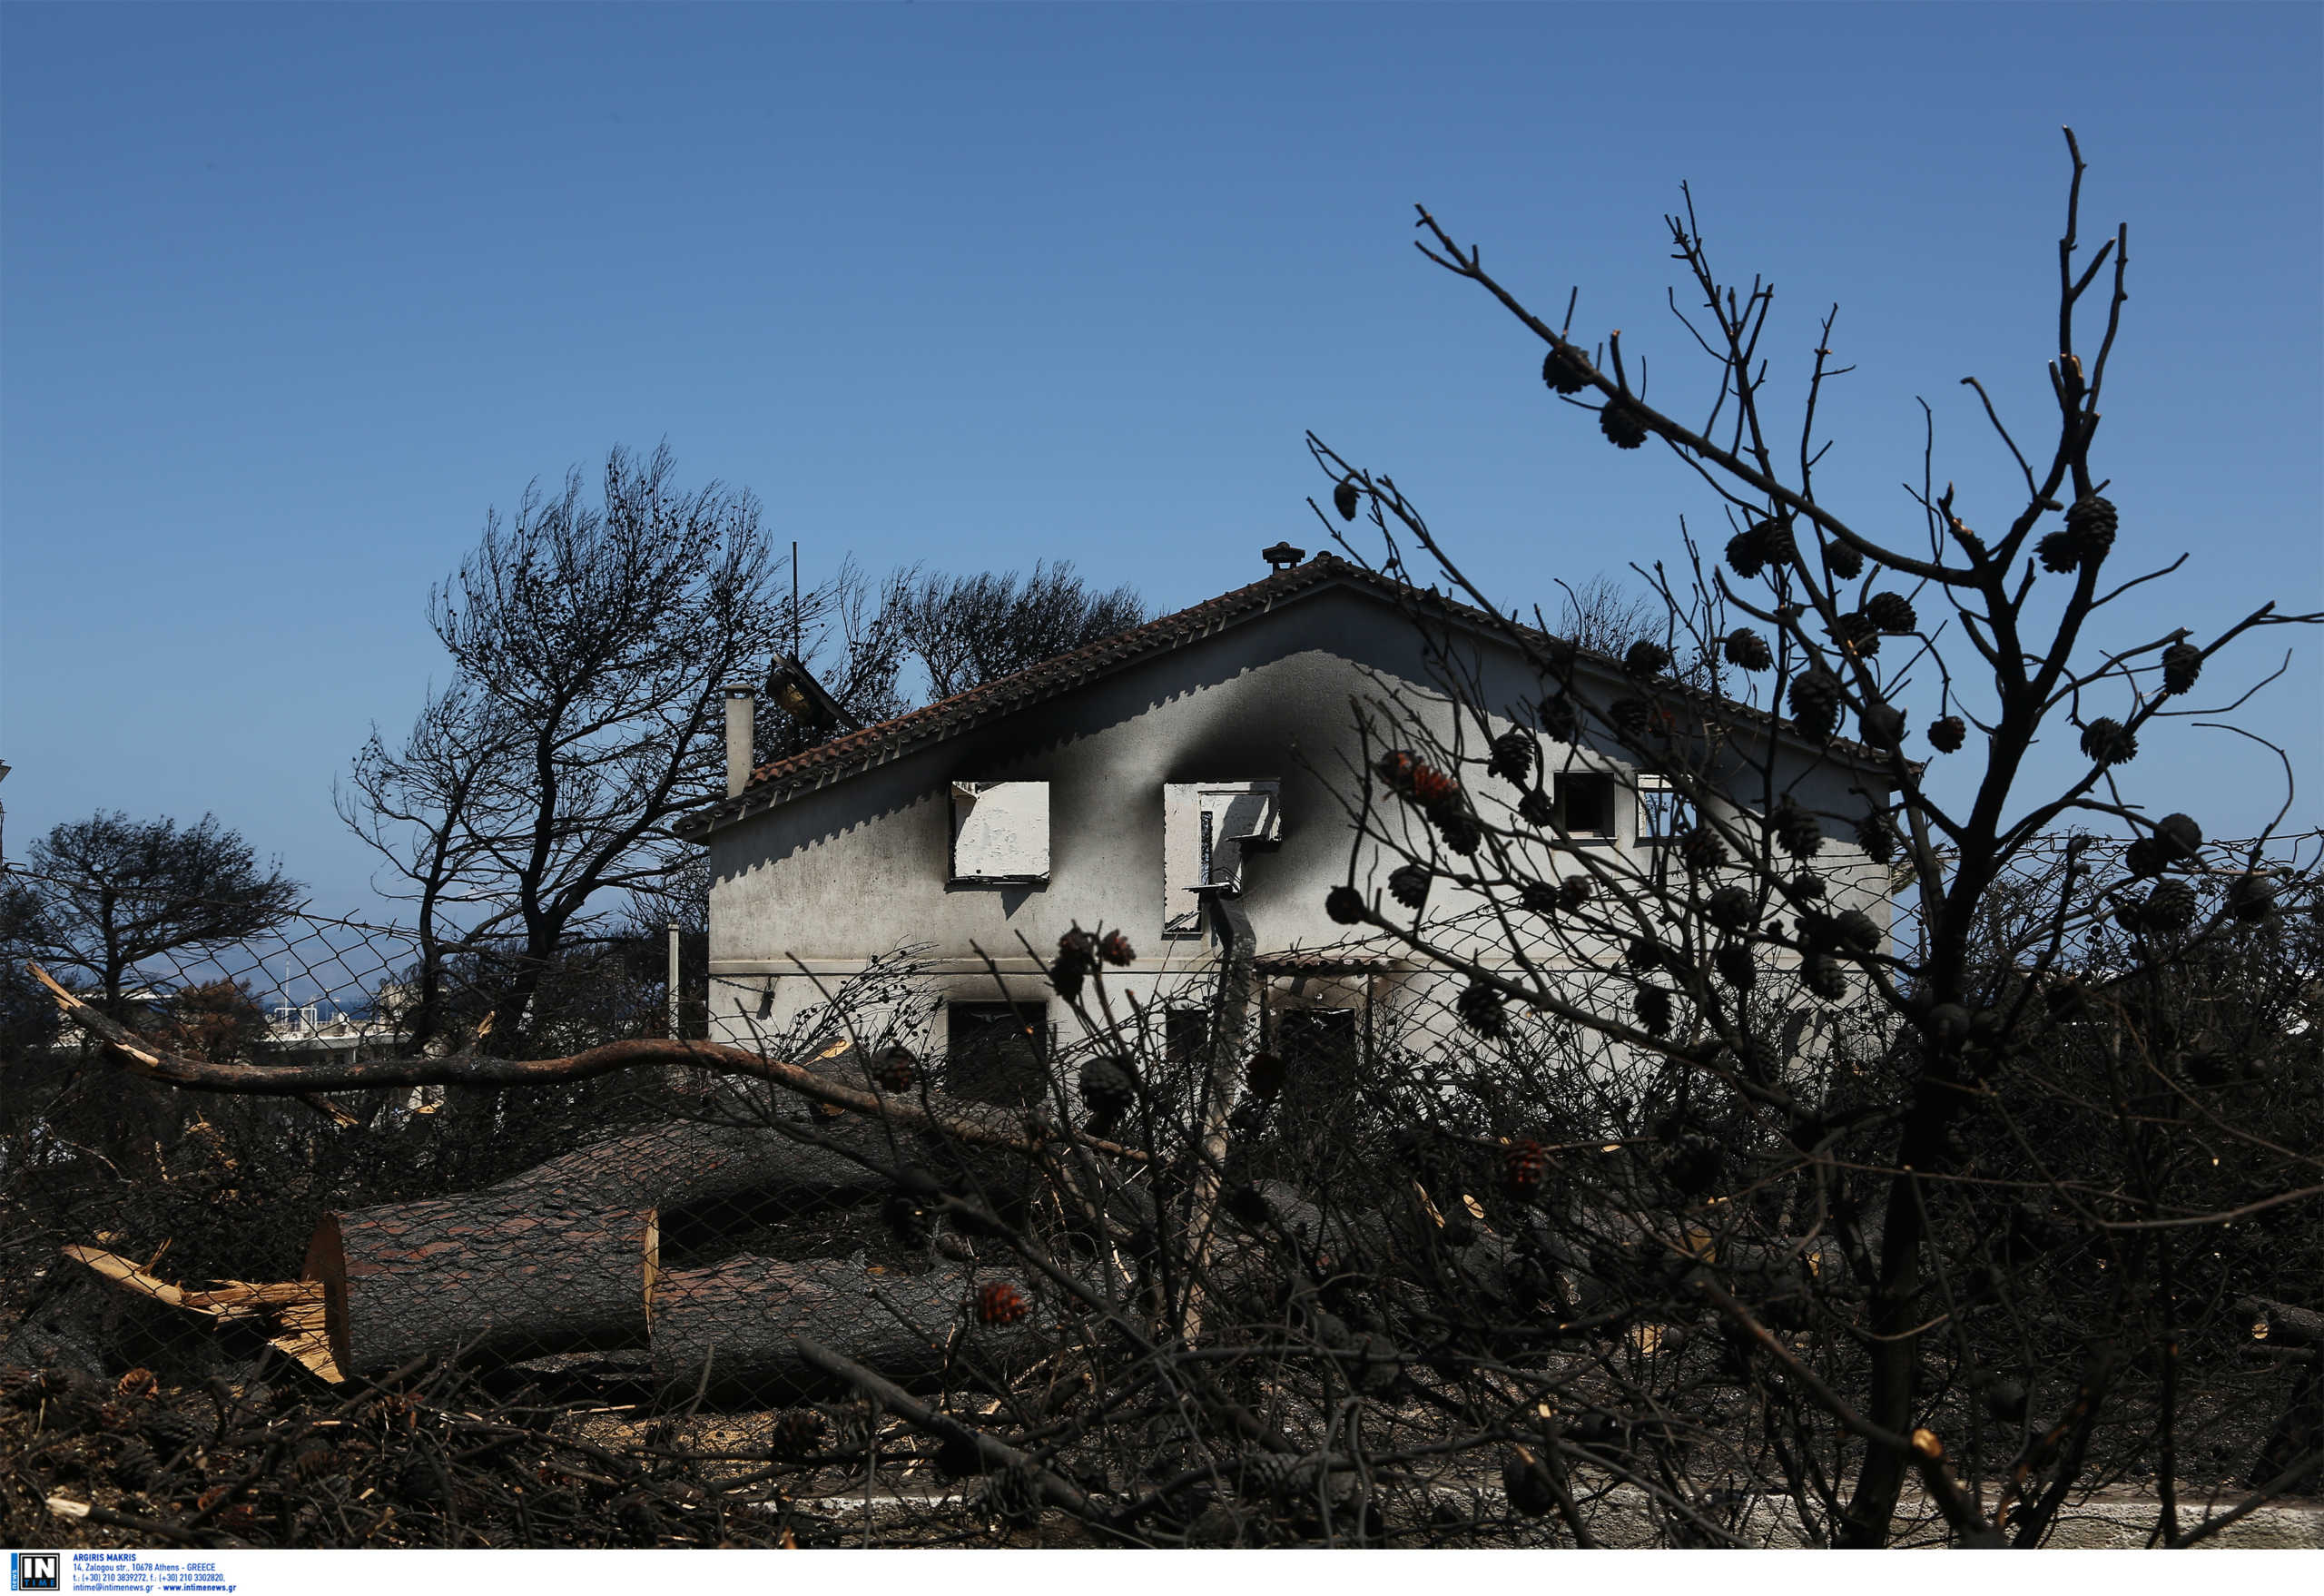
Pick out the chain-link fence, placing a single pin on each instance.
(1308, 1248)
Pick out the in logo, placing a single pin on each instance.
(34, 1571)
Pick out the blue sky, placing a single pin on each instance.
(290, 295)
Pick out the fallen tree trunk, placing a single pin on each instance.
(978, 1124)
(736, 1327)
(682, 1163)
(490, 1269)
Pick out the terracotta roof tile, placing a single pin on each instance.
(876, 745)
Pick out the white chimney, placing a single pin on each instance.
(742, 717)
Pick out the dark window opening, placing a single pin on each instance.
(1185, 1033)
(1586, 804)
(993, 1052)
(1319, 1040)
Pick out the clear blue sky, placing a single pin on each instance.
(293, 293)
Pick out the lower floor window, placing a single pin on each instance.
(993, 1052)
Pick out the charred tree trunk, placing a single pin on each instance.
(486, 1269)
(735, 1326)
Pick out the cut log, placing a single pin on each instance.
(2281, 1323)
(487, 1270)
(737, 1325)
(683, 1164)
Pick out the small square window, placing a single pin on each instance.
(1000, 831)
(993, 1052)
(1659, 818)
(1585, 804)
(1205, 826)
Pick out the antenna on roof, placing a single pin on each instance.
(798, 626)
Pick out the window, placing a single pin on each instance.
(1317, 1040)
(1185, 1033)
(1205, 826)
(1585, 804)
(993, 1052)
(1000, 831)
(1659, 819)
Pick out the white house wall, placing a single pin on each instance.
(808, 891)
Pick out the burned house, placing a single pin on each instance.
(1185, 783)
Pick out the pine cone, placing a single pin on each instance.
(2091, 523)
(1798, 832)
(1816, 702)
(1646, 658)
(2182, 662)
(1735, 965)
(2059, 552)
(1480, 1008)
(2252, 898)
(906, 1220)
(1536, 809)
(1654, 1013)
(1747, 552)
(1747, 650)
(1732, 909)
(1891, 612)
(1264, 1074)
(2171, 907)
(1564, 371)
(1573, 891)
(1693, 1164)
(134, 1465)
(1267, 1477)
(1644, 953)
(1702, 849)
(1524, 1165)
(1947, 733)
(171, 1432)
(1539, 898)
(1808, 887)
(1559, 722)
(1856, 635)
(1622, 424)
(1855, 929)
(1881, 724)
(1842, 561)
(1459, 829)
(1526, 1484)
(1877, 838)
(1000, 1302)
(1408, 884)
(138, 1384)
(1076, 956)
(1345, 905)
(1108, 1087)
(1825, 978)
(1513, 758)
(1395, 768)
(1116, 951)
(897, 1071)
(1432, 787)
(1632, 717)
(2106, 741)
(2179, 835)
(2144, 857)
(1010, 1499)
(1775, 542)
(1346, 498)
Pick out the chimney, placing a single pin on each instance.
(1282, 556)
(742, 717)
